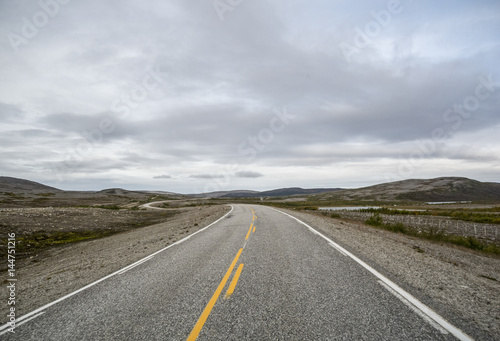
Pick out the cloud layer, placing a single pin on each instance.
(184, 96)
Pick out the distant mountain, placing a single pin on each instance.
(159, 192)
(226, 194)
(115, 191)
(15, 185)
(282, 192)
(438, 189)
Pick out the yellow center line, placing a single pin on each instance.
(253, 229)
(254, 217)
(249, 230)
(230, 290)
(201, 321)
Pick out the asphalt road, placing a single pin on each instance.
(257, 274)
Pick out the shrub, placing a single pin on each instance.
(398, 227)
(375, 220)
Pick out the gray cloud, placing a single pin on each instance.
(182, 97)
(206, 176)
(10, 113)
(162, 177)
(248, 174)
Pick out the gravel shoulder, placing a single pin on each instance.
(61, 270)
(458, 281)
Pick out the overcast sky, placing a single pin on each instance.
(201, 95)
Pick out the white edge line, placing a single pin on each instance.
(412, 307)
(339, 250)
(48, 305)
(130, 267)
(419, 305)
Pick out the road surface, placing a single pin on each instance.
(256, 274)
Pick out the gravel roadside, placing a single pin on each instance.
(463, 282)
(63, 270)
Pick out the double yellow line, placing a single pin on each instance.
(250, 230)
(201, 321)
(208, 309)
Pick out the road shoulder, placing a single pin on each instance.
(63, 270)
(465, 283)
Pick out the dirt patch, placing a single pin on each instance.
(58, 271)
(460, 281)
(39, 228)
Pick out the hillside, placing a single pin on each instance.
(282, 192)
(438, 189)
(16, 192)
(225, 194)
(15, 185)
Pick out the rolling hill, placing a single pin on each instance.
(282, 192)
(438, 189)
(15, 185)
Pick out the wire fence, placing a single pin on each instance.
(487, 232)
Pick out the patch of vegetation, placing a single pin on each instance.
(376, 220)
(37, 241)
(468, 242)
(474, 217)
(489, 209)
(331, 214)
(46, 194)
(434, 234)
(459, 214)
(109, 207)
(105, 207)
(309, 208)
(11, 195)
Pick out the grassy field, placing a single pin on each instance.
(473, 215)
(434, 234)
(37, 229)
(489, 215)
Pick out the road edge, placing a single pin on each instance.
(425, 310)
(24, 318)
